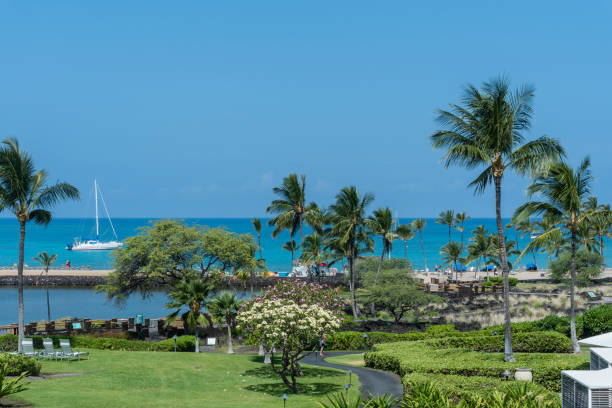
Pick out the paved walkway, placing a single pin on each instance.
(372, 381)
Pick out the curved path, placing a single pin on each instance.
(372, 381)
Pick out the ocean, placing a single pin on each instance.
(61, 231)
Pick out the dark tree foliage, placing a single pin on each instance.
(588, 267)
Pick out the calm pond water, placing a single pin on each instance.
(81, 303)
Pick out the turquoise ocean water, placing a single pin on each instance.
(56, 235)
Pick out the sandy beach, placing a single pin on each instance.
(58, 272)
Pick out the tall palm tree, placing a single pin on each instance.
(349, 224)
(46, 261)
(601, 223)
(419, 225)
(487, 133)
(479, 248)
(451, 254)
(290, 208)
(224, 308)
(257, 226)
(447, 218)
(564, 192)
(383, 225)
(405, 233)
(191, 293)
(460, 220)
(25, 193)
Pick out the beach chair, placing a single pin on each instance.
(27, 348)
(49, 351)
(69, 353)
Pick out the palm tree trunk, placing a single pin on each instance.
(230, 349)
(48, 306)
(380, 262)
(462, 234)
(197, 340)
(508, 354)
(575, 344)
(352, 280)
(477, 268)
(423, 249)
(534, 259)
(406, 250)
(22, 231)
(259, 245)
(449, 233)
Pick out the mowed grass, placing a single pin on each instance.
(147, 379)
(355, 360)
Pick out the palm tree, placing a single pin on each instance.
(291, 206)
(487, 133)
(224, 308)
(479, 247)
(527, 227)
(313, 253)
(46, 261)
(564, 192)
(349, 225)
(25, 193)
(447, 218)
(405, 233)
(451, 254)
(601, 224)
(419, 225)
(192, 293)
(460, 219)
(382, 224)
(291, 246)
(257, 226)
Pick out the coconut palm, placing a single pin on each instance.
(486, 133)
(405, 233)
(313, 252)
(383, 225)
(479, 248)
(190, 293)
(291, 246)
(349, 226)
(564, 192)
(25, 193)
(601, 224)
(46, 261)
(290, 208)
(224, 309)
(451, 254)
(460, 220)
(257, 227)
(447, 218)
(419, 225)
(528, 228)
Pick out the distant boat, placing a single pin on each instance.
(96, 244)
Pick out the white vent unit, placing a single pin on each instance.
(601, 358)
(587, 389)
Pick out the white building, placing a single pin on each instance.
(592, 388)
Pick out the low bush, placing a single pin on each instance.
(183, 343)
(101, 343)
(8, 342)
(597, 320)
(536, 342)
(419, 357)
(352, 340)
(17, 364)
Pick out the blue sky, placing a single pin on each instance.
(197, 109)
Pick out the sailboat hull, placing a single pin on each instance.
(95, 246)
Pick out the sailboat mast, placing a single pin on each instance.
(96, 195)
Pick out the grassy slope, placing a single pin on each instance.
(145, 379)
(349, 359)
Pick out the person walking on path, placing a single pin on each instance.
(322, 342)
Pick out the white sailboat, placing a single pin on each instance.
(96, 244)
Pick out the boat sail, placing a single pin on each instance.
(96, 244)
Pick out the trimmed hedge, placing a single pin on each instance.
(536, 342)
(458, 386)
(17, 364)
(352, 340)
(419, 357)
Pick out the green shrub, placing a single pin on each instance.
(441, 330)
(352, 340)
(534, 342)
(17, 364)
(597, 320)
(8, 342)
(101, 343)
(418, 357)
(183, 343)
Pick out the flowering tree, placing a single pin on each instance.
(288, 326)
(304, 293)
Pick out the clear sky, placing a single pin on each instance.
(197, 109)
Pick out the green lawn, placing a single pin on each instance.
(159, 379)
(349, 359)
